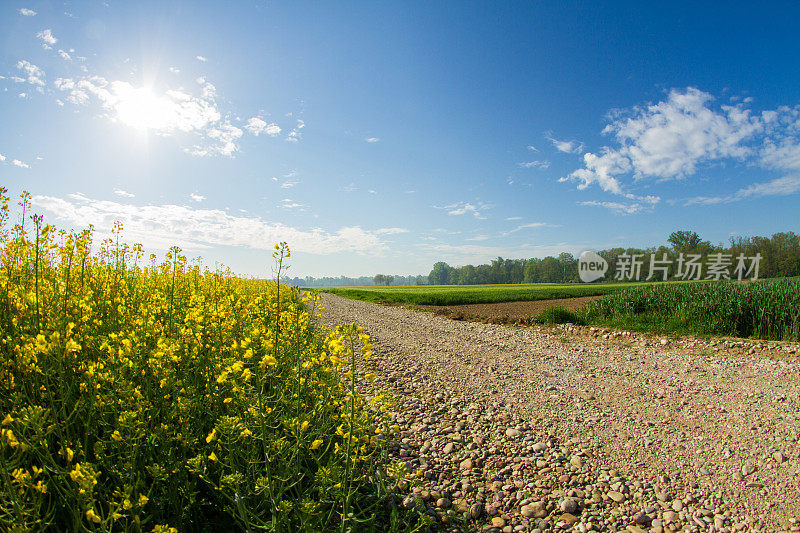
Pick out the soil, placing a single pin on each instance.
(505, 312)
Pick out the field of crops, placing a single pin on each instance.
(767, 309)
(475, 294)
(159, 397)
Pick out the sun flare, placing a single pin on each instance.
(141, 109)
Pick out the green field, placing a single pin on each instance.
(478, 294)
(769, 309)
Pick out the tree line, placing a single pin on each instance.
(779, 257)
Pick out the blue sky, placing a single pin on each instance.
(382, 137)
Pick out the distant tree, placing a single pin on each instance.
(379, 279)
(388, 280)
(550, 270)
(685, 241)
(440, 275)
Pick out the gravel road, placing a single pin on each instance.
(574, 428)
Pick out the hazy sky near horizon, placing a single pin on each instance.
(384, 136)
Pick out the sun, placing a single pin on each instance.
(141, 109)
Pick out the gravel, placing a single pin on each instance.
(585, 429)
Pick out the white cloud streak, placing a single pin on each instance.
(25, 12)
(783, 186)
(162, 226)
(466, 208)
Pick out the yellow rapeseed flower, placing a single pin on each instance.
(92, 517)
(316, 444)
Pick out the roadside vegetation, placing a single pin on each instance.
(153, 396)
(767, 309)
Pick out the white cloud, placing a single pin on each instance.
(532, 148)
(784, 155)
(257, 126)
(64, 55)
(372, 139)
(123, 193)
(201, 59)
(617, 207)
(536, 164)
(478, 238)
(467, 208)
(568, 147)
(514, 218)
(288, 203)
(668, 140)
(175, 70)
(20, 164)
(295, 135)
(286, 181)
(25, 12)
(197, 197)
(35, 75)
(47, 38)
(783, 186)
(391, 231)
(530, 225)
(167, 113)
(162, 226)
(2, 158)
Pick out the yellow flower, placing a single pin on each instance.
(370, 377)
(316, 444)
(212, 436)
(116, 436)
(143, 500)
(213, 456)
(245, 433)
(269, 360)
(127, 504)
(91, 516)
(7, 420)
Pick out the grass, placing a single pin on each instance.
(164, 398)
(476, 294)
(768, 309)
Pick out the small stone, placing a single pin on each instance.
(466, 464)
(748, 469)
(642, 519)
(635, 529)
(670, 516)
(539, 447)
(512, 433)
(778, 457)
(498, 521)
(568, 505)
(664, 342)
(569, 518)
(677, 506)
(616, 496)
(442, 503)
(476, 511)
(657, 523)
(408, 502)
(576, 461)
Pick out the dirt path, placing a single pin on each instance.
(528, 429)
